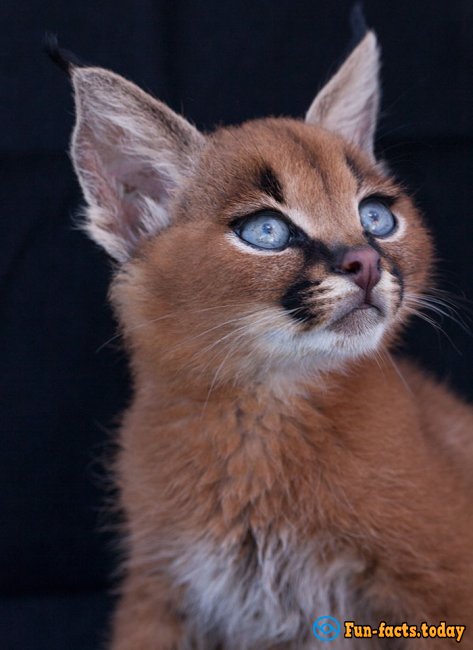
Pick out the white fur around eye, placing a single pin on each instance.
(400, 231)
(302, 221)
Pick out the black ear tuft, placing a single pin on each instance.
(358, 24)
(63, 58)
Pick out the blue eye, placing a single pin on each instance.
(265, 231)
(376, 218)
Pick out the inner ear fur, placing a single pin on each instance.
(349, 103)
(131, 153)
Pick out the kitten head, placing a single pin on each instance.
(275, 244)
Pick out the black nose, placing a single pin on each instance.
(363, 265)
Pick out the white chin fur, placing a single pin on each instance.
(324, 344)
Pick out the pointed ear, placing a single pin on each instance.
(131, 153)
(348, 103)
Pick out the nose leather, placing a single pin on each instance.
(364, 267)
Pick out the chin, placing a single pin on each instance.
(351, 338)
(357, 322)
(356, 334)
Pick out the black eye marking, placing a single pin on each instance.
(355, 170)
(270, 184)
(374, 243)
(315, 251)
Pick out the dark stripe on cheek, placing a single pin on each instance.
(395, 270)
(294, 301)
(269, 183)
(298, 300)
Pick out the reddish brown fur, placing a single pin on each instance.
(232, 446)
(363, 461)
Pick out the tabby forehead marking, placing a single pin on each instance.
(355, 170)
(269, 183)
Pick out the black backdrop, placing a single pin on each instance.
(218, 61)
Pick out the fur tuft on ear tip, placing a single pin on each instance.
(358, 24)
(64, 59)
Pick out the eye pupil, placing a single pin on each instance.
(267, 228)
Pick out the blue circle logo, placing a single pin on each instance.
(326, 628)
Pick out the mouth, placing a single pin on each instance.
(366, 305)
(359, 319)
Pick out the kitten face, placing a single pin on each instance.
(264, 307)
(279, 244)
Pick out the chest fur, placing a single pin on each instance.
(257, 556)
(267, 589)
(267, 565)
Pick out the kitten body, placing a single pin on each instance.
(311, 504)
(276, 464)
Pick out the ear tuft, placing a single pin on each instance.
(358, 24)
(131, 154)
(348, 104)
(65, 59)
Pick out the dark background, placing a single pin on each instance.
(219, 62)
